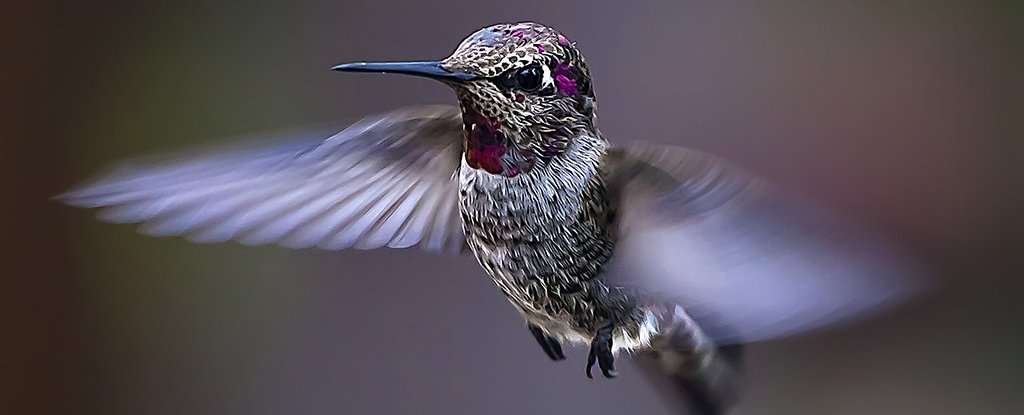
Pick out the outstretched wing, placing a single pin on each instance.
(745, 259)
(385, 181)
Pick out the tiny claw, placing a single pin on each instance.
(590, 362)
(550, 346)
(608, 367)
(556, 349)
(601, 352)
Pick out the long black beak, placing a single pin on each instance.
(432, 70)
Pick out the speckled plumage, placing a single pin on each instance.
(545, 233)
(544, 238)
(662, 250)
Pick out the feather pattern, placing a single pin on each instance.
(747, 260)
(386, 181)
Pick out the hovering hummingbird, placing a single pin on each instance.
(668, 252)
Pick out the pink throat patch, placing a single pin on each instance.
(485, 143)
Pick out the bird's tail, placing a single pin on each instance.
(686, 365)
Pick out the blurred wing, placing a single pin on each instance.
(384, 181)
(747, 261)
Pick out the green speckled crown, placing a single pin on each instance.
(494, 50)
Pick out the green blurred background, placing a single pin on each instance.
(907, 114)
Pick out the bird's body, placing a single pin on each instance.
(545, 237)
(656, 249)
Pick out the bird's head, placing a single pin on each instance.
(524, 90)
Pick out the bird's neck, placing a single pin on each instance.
(497, 148)
(573, 173)
(582, 155)
(566, 191)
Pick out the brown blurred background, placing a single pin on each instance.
(905, 113)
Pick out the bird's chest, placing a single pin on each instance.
(543, 243)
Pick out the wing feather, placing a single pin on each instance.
(384, 181)
(746, 259)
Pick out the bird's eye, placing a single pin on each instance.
(530, 78)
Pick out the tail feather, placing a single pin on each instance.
(684, 363)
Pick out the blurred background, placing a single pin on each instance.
(907, 114)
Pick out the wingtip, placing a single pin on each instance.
(84, 197)
(60, 198)
(71, 197)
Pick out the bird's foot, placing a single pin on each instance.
(551, 346)
(601, 352)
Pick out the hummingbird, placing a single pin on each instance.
(669, 253)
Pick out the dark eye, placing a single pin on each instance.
(529, 78)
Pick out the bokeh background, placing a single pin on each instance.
(907, 114)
